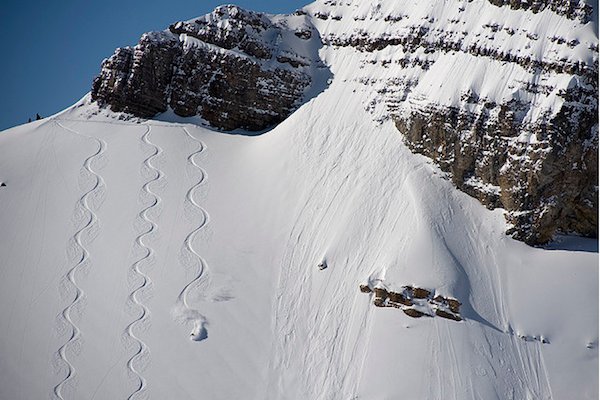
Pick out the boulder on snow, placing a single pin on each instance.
(447, 315)
(381, 296)
(420, 293)
(454, 305)
(409, 296)
(411, 312)
(399, 298)
(365, 289)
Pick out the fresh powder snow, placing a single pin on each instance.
(164, 259)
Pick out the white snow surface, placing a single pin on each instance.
(123, 240)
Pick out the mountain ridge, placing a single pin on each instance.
(527, 143)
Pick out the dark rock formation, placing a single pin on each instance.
(233, 68)
(452, 303)
(415, 302)
(137, 80)
(447, 315)
(420, 293)
(547, 185)
(411, 312)
(365, 289)
(572, 9)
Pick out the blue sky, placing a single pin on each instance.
(52, 50)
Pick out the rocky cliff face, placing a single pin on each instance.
(547, 183)
(572, 9)
(234, 68)
(501, 94)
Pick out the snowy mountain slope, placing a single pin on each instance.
(140, 216)
(345, 190)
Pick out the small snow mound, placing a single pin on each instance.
(200, 332)
(199, 322)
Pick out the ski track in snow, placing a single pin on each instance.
(133, 297)
(84, 258)
(190, 255)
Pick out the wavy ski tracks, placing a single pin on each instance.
(191, 256)
(92, 219)
(142, 350)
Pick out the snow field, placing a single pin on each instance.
(121, 241)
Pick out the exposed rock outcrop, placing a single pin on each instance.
(572, 9)
(547, 184)
(415, 302)
(234, 68)
(508, 109)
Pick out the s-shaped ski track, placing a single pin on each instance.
(190, 254)
(84, 258)
(144, 315)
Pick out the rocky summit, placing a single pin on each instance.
(508, 109)
(233, 68)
